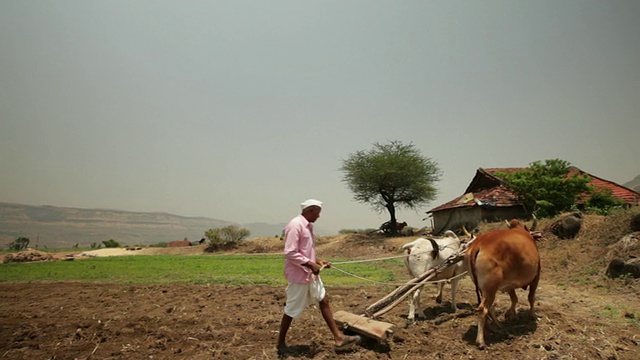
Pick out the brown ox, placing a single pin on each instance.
(503, 260)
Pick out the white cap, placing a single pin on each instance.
(310, 202)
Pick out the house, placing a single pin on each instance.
(488, 199)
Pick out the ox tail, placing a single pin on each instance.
(471, 267)
(436, 249)
(406, 248)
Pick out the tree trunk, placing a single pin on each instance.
(393, 221)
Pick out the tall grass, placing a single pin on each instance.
(613, 227)
(162, 269)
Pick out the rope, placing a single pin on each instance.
(388, 257)
(395, 284)
(462, 248)
(368, 260)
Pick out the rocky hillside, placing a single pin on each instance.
(52, 226)
(634, 184)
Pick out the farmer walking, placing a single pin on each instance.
(302, 271)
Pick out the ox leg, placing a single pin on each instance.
(484, 310)
(532, 295)
(414, 302)
(439, 296)
(454, 289)
(511, 313)
(494, 320)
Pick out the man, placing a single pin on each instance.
(302, 269)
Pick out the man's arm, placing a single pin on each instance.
(315, 267)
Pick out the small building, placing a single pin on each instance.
(488, 199)
(179, 243)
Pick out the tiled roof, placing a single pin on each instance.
(498, 196)
(487, 190)
(618, 191)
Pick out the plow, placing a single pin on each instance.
(368, 324)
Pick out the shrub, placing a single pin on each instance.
(19, 244)
(602, 202)
(111, 243)
(228, 234)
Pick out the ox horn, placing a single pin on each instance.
(507, 222)
(534, 224)
(464, 229)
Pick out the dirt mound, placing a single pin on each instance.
(28, 256)
(262, 245)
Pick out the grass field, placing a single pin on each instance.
(162, 269)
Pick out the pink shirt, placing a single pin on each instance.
(299, 248)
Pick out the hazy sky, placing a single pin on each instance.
(240, 110)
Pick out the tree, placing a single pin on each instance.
(547, 189)
(228, 234)
(391, 175)
(19, 244)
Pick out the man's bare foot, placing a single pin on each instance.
(282, 349)
(347, 341)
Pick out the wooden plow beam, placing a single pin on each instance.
(367, 325)
(392, 300)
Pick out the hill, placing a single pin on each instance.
(634, 184)
(53, 226)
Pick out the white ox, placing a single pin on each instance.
(423, 254)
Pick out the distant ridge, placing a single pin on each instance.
(56, 227)
(633, 184)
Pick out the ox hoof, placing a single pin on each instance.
(494, 326)
(510, 315)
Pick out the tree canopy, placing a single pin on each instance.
(547, 188)
(391, 175)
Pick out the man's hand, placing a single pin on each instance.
(315, 268)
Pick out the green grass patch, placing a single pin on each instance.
(198, 269)
(616, 313)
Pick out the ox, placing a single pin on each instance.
(423, 254)
(503, 260)
(392, 228)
